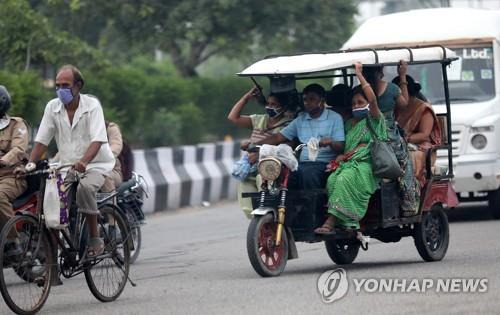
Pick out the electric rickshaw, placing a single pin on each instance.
(282, 217)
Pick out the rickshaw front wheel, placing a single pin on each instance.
(342, 252)
(267, 259)
(432, 235)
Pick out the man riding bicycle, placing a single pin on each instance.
(76, 121)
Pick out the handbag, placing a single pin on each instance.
(55, 203)
(384, 161)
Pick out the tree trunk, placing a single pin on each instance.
(185, 69)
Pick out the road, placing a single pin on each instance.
(194, 261)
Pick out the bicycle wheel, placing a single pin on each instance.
(135, 234)
(25, 278)
(107, 275)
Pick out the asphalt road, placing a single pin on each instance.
(194, 261)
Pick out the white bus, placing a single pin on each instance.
(474, 85)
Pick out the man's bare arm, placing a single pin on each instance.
(91, 152)
(274, 139)
(38, 150)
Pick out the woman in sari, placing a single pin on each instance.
(421, 126)
(352, 183)
(390, 98)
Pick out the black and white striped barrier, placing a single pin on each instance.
(187, 175)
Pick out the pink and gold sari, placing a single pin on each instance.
(409, 120)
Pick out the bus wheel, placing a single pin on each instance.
(494, 203)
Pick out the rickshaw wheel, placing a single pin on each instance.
(267, 259)
(342, 252)
(432, 235)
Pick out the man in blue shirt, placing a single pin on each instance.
(325, 125)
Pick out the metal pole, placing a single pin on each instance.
(448, 120)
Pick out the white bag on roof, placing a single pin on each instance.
(282, 152)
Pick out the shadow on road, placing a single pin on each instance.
(469, 214)
(354, 266)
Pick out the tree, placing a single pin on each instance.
(192, 31)
(27, 37)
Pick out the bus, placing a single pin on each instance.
(474, 85)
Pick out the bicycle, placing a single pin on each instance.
(26, 279)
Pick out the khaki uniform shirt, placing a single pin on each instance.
(13, 143)
(115, 143)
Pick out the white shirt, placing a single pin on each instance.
(74, 140)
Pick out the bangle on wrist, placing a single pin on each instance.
(405, 83)
(365, 85)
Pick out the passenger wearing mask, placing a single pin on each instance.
(315, 125)
(262, 126)
(352, 182)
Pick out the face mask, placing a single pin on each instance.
(272, 112)
(361, 112)
(65, 95)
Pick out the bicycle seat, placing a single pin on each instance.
(23, 199)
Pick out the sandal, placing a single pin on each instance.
(327, 228)
(95, 247)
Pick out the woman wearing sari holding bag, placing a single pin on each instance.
(352, 182)
(421, 126)
(262, 126)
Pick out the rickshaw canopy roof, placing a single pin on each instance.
(426, 26)
(320, 62)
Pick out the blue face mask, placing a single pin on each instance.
(65, 95)
(361, 112)
(272, 112)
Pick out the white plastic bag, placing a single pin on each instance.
(313, 148)
(282, 152)
(52, 204)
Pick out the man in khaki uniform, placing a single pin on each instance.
(13, 147)
(115, 178)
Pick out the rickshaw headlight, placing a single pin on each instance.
(270, 168)
(479, 142)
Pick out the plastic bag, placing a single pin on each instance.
(313, 148)
(282, 152)
(55, 208)
(242, 168)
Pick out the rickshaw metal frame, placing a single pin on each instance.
(445, 61)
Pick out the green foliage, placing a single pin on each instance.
(192, 31)
(159, 103)
(28, 38)
(28, 95)
(140, 95)
(162, 129)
